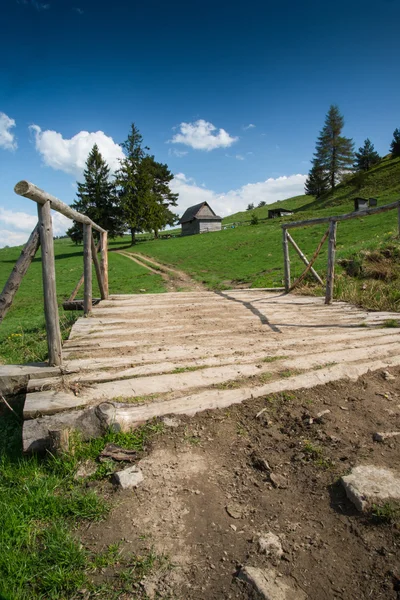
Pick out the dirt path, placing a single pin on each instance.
(207, 496)
(175, 280)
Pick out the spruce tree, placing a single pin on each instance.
(334, 152)
(317, 181)
(366, 157)
(395, 145)
(162, 198)
(97, 199)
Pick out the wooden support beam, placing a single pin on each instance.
(398, 218)
(97, 268)
(104, 261)
(49, 285)
(304, 259)
(330, 276)
(312, 261)
(31, 191)
(77, 288)
(17, 274)
(286, 260)
(87, 269)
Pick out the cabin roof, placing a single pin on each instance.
(191, 213)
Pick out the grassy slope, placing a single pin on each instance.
(253, 254)
(22, 335)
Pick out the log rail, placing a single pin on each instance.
(330, 234)
(42, 236)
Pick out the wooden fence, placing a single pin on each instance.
(330, 233)
(42, 236)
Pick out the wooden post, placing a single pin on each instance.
(87, 268)
(304, 259)
(398, 217)
(312, 261)
(286, 260)
(330, 276)
(104, 262)
(17, 274)
(98, 270)
(49, 285)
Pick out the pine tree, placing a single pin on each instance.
(366, 157)
(333, 151)
(162, 198)
(97, 199)
(317, 181)
(250, 206)
(134, 187)
(395, 145)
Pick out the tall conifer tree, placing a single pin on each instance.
(317, 182)
(366, 157)
(395, 145)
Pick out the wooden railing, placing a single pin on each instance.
(331, 234)
(42, 236)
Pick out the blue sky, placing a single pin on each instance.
(231, 95)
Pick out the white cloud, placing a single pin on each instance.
(233, 201)
(249, 126)
(12, 238)
(37, 5)
(18, 220)
(239, 157)
(202, 135)
(178, 153)
(70, 155)
(15, 227)
(7, 139)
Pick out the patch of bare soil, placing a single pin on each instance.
(208, 495)
(175, 280)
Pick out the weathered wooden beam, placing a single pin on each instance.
(286, 260)
(104, 260)
(354, 215)
(77, 288)
(304, 258)
(312, 261)
(49, 285)
(98, 269)
(330, 276)
(31, 191)
(87, 269)
(17, 274)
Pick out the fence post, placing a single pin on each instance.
(330, 276)
(398, 217)
(87, 269)
(104, 261)
(99, 276)
(286, 259)
(49, 285)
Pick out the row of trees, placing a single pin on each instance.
(334, 155)
(138, 198)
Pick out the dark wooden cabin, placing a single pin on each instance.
(360, 204)
(276, 213)
(200, 219)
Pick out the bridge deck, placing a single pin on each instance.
(183, 352)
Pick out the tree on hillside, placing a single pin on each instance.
(250, 206)
(261, 204)
(334, 152)
(162, 198)
(366, 157)
(395, 145)
(97, 199)
(317, 181)
(133, 187)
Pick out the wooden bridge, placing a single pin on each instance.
(135, 357)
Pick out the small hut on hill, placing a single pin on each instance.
(276, 213)
(200, 219)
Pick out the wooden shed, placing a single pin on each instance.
(360, 204)
(200, 219)
(276, 213)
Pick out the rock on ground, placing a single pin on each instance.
(269, 586)
(128, 478)
(270, 545)
(367, 485)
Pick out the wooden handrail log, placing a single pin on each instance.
(31, 191)
(347, 216)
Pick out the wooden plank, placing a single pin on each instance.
(19, 270)
(286, 260)
(304, 259)
(330, 277)
(49, 285)
(312, 261)
(354, 215)
(97, 269)
(104, 260)
(87, 269)
(31, 191)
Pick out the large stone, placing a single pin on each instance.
(128, 478)
(269, 586)
(270, 545)
(368, 485)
